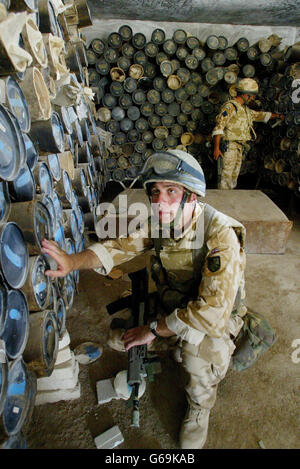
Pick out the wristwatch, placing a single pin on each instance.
(153, 326)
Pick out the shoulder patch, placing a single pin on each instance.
(214, 263)
(230, 106)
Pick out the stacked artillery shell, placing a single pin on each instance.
(276, 153)
(51, 165)
(60, 148)
(158, 92)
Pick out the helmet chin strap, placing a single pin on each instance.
(246, 100)
(178, 215)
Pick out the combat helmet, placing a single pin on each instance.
(247, 86)
(174, 166)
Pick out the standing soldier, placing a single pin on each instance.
(199, 273)
(234, 128)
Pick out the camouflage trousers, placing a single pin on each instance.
(232, 161)
(208, 363)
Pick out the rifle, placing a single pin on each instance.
(219, 163)
(138, 361)
(219, 168)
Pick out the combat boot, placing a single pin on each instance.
(194, 427)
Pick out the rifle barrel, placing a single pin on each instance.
(135, 422)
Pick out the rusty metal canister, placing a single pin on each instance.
(61, 316)
(114, 40)
(49, 135)
(4, 202)
(16, 324)
(139, 40)
(158, 36)
(43, 177)
(23, 187)
(47, 18)
(37, 285)
(34, 220)
(126, 32)
(19, 402)
(16, 102)
(14, 254)
(42, 347)
(12, 151)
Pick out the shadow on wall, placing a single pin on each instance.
(281, 12)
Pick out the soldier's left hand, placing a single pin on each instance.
(217, 154)
(63, 260)
(138, 336)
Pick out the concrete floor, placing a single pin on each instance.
(259, 404)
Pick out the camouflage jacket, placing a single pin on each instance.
(235, 121)
(222, 271)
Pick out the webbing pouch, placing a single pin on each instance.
(255, 337)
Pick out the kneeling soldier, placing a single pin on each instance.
(199, 273)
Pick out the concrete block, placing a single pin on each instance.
(268, 228)
(49, 384)
(109, 439)
(66, 369)
(105, 391)
(63, 355)
(63, 376)
(45, 397)
(64, 341)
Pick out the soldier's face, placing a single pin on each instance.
(248, 98)
(167, 197)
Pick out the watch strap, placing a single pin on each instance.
(153, 329)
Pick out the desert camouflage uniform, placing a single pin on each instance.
(235, 124)
(205, 325)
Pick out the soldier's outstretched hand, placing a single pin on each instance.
(62, 259)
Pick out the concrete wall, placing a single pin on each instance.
(239, 12)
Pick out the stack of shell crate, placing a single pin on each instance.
(51, 180)
(158, 92)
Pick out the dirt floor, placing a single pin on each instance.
(259, 404)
